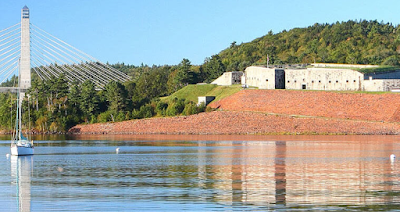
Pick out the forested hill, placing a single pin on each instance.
(352, 42)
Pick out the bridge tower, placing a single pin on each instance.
(25, 61)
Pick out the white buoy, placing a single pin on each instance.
(7, 156)
(392, 157)
(117, 150)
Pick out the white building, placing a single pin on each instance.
(321, 79)
(229, 78)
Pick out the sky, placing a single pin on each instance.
(159, 32)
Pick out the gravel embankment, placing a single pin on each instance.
(232, 122)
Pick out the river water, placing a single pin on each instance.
(203, 173)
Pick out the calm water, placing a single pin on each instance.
(203, 173)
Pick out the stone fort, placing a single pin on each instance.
(332, 77)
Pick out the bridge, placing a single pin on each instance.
(11, 89)
(26, 48)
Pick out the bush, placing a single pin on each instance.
(391, 61)
(104, 117)
(175, 107)
(120, 116)
(93, 119)
(161, 108)
(136, 114)
(190, 109)
(128, 115)
(201, 108)
(147, 111)
(54, 127)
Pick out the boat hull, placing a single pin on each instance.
(21, 150)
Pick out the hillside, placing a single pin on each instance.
(193, 91)
(351, 42)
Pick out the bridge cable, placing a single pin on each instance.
(90, 57)
(79, 60)
(93, 74)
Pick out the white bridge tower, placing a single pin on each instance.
(25, 61)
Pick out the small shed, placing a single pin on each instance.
(205, 99)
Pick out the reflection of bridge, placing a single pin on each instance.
(24, 48)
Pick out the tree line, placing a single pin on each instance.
(351, 42)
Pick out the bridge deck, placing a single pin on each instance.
(11, 89)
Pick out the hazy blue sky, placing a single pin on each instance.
(166, 31)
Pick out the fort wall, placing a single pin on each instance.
(261, 77)
(324, 79)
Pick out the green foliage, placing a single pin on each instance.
(175, 107)
(105, 117)
(212, 68)
(6, 116)
(378, 69)
(161, 108)
(89, 100)
(352, 42)
(192, 108)
(10, 83)
(147, 111)
(116, 95)
(192, 92)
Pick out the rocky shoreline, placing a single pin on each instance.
(239, 123)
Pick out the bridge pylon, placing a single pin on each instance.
(25, 59)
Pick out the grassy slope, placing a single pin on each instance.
(191, 92)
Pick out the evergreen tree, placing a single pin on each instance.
(89, 100)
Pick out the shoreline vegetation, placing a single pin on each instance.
(271, 112)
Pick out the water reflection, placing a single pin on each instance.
(283, 174)
(21, 173)
(280, 172)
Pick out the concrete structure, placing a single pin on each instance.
(324, 79)
(381, 85)
(321, 79)
(205, 99)
(11, 89)
(25, 61)
(229, 78)
(265, 78)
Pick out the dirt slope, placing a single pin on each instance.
(358, 106)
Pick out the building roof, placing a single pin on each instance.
(25, 8)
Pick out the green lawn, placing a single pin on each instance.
(192, 91)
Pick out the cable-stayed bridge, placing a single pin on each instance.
(26, 48)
